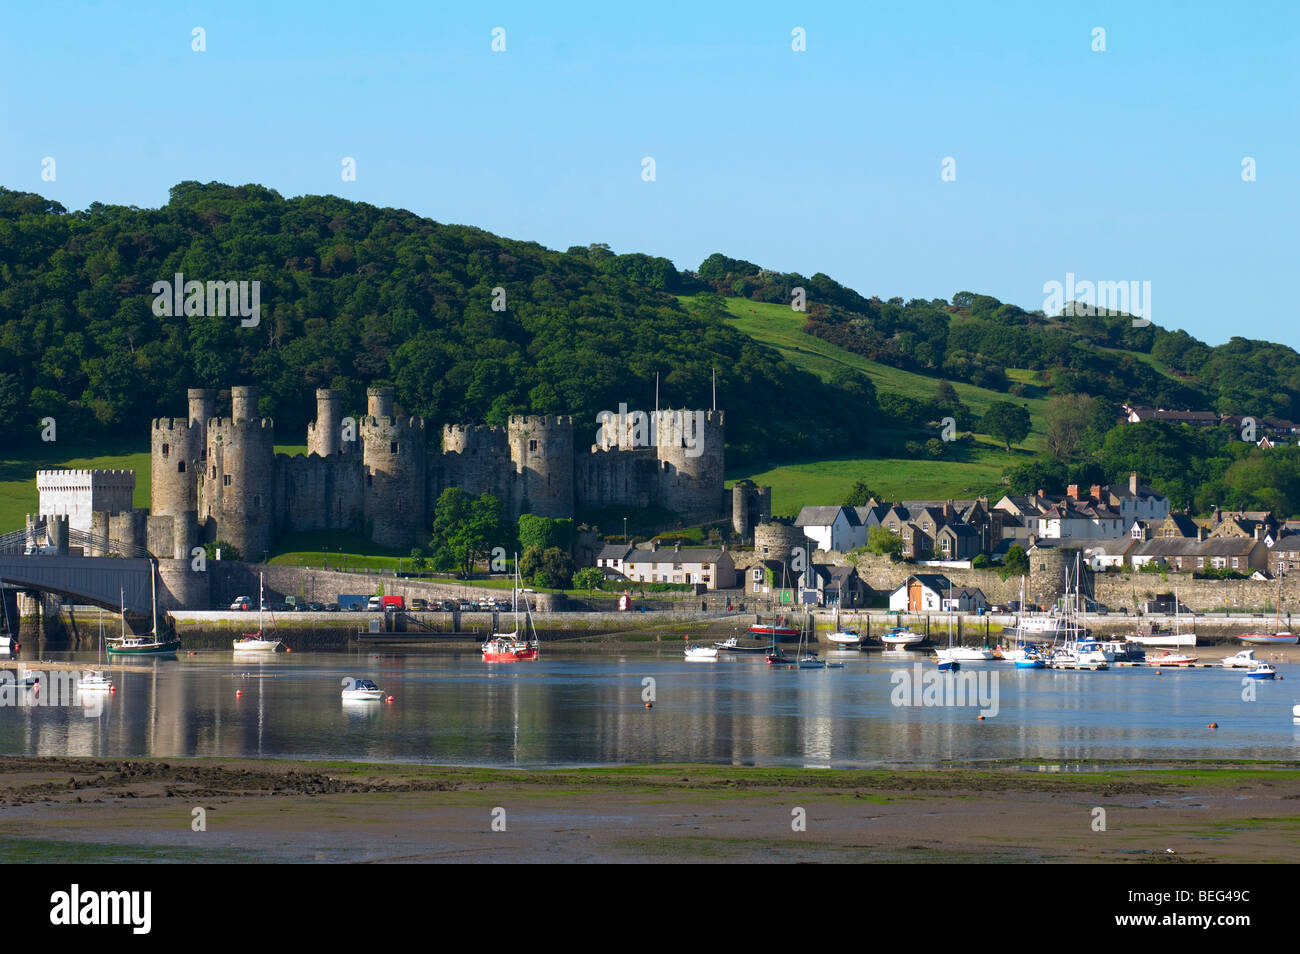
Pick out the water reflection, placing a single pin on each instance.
(580, 710)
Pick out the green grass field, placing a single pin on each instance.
(827, 481)
(781, 328)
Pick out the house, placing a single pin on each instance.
(1105, 554)
(1177, 525)
(1104, 511)
(958, 541)
(921, 592)
(1245, 523)
(836, 586)
(832, 528)
(1239, 553)
(1284, 554)
(965, 600)
(712, 568)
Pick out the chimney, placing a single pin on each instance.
(1095, 492)
(1133, 482)
(654, 546)
(677, 547)
(949, 510)
(1072, 491)
(1259, 530)
(1200, 533)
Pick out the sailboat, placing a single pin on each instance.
(807, 659)
(947, 661)
(1277, 637)
(95, 680)
(257, 642)
(151, 645)
(1078, 651)
(509, 647)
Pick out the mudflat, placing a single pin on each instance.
(55, 809)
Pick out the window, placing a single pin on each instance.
(257, 501)
(214, 473)
(532, 447)
(758, 574)
(226, 480)
(392, 447)
(166, 449)
(1234, 563)
(180, 467)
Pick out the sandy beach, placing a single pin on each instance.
(115, 810)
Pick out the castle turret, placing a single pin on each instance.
(690, 448)
(541, 448)
(394, 456)
(323, 437)
(203, 405)
(235, 494)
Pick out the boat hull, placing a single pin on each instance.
(166, 648)
(1265, 639)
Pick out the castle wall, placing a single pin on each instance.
(319, 493)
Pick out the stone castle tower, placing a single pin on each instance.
(394, 457)
(237, 484)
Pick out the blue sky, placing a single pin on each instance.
(1116, 165)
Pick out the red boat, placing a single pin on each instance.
(774, 631)
(509, 647)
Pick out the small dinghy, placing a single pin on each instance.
(702, 653)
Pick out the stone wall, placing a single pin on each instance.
(1117, 590)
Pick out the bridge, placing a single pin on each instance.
(40, 558)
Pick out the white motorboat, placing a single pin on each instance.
(845, 637)
(900, 637)
(1263, 671)
(1242, 660)
(94, 681)
(701, 652)
(361, 690)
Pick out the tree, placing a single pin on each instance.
(884, 543)
(1016, 562)
(859, 494)
(588, 578)
(228, 550)
(1068, 418)
(551, 568)
(945, 394)
(1007, 422)
(544, 532)
(465, 530)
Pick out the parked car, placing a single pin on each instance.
(449, 606)
(331, 607)
(465, 606)
(315, 608)
(418, 604)
(242, 603)
(375, 603)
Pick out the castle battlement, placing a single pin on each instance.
(223, 472)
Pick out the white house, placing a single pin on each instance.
(832, 528)
(78, 493)
(921, 593)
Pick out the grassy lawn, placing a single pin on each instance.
(829, 481)
(781, 328)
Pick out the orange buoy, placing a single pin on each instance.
(1213, 725)
(238, 693)
(979, 719)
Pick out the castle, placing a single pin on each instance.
(219, 478)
